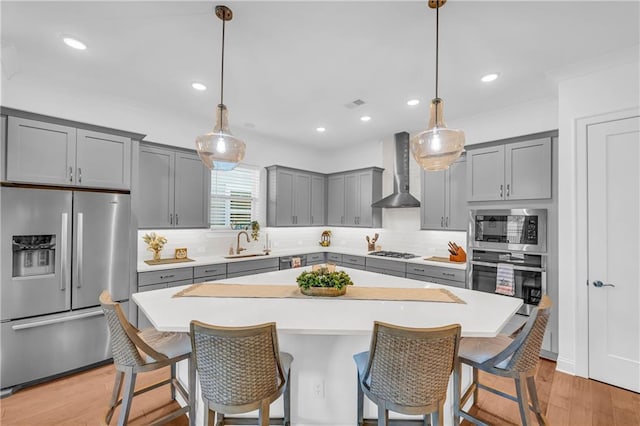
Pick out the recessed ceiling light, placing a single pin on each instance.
(365, 118)
(489, 77)
(413, 102)
(76, 44)
(320, 129)
(199, 86)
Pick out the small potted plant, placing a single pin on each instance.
(324, 281)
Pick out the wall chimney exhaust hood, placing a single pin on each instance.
(400, 196)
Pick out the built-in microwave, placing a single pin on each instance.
(514, 229)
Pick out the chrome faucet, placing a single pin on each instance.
(238, 248)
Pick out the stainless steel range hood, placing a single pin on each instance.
(400, 196)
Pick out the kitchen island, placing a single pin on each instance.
(323, 334)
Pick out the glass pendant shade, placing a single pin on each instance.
(437, 147)
(219, 149)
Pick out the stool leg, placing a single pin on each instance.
(209, 416)
(438, 416)
(533, 394)
(117, 387)
(456, 391)
(220, 419)
(360, 408)
(426, 420)
(129, 386)
(287, 400)
(192, 390)
(476, 389)
(173, 383)
(263, 414)
(383, 414)
(523, 400)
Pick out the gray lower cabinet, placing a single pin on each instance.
(385, 266)
(512, 171)
(444, 198)
(156, 280)
(437, 274)
(295, 197)
(250, 267)
(359, 189)
(335, 258)
(354, 262)
(316, 258)
(206, 273)
(174, 189)
(48, 153)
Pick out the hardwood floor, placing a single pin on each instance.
(81, 399)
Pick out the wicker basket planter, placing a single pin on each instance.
(323, 291)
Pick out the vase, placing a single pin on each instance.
(324, 291)
(156, 254)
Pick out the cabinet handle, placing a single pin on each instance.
(508, 185)
(176, 219)
(448, 274)
(419, 270)
(446, 222)
(441, 221)
(170, 218)
(162, 277)
(501, 191)
(210, 270)
(79, 175)
(70, 174)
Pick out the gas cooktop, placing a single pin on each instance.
(394, 254)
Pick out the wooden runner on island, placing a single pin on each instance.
(293, 292)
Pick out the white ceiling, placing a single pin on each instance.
(293, 66)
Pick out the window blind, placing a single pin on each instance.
(234, 196)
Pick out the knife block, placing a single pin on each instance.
(460, 256)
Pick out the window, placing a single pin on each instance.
(234, 197)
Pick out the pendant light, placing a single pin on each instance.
(437, 147)
(219, 149)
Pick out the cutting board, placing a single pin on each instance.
(442, 259)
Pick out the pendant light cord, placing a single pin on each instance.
(224, 21)
(437, 48)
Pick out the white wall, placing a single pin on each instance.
(613, 86)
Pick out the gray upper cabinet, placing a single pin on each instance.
(102, 160)
(444, 198)
(514, 171)
(335, 200)
(192, 189)
(295, 197)
(174, 189)
(359, 190)
(48, 153)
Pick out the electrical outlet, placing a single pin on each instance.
(317, 389)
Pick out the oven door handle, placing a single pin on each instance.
(515, 267)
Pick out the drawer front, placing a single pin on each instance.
(164, 276)
(209, 278)
(252, 265)
(353, 266)
(179, 283)
(255, 271)
(451, 283)
(334, 257)
(386, 264)
(315, 258)
(437, 272)
(385, 271)
(350, 260)
(419, 277)
(209, 270)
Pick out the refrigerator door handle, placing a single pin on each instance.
(79, 249)
(56, 320)
(63, 253)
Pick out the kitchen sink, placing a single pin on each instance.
(240, 256)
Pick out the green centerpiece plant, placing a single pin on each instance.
(324, 281)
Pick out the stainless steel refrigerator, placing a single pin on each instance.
(59, 249)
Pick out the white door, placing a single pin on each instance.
(613, 161)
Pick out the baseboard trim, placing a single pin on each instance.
(565, 365)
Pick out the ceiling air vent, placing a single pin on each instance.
(355, 104)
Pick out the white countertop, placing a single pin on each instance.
(211, 260)
(483, 314)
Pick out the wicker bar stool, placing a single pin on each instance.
(407, 370)
(240, 369)
(136, 351)
(514, 356)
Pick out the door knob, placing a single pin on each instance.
(601, 284)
